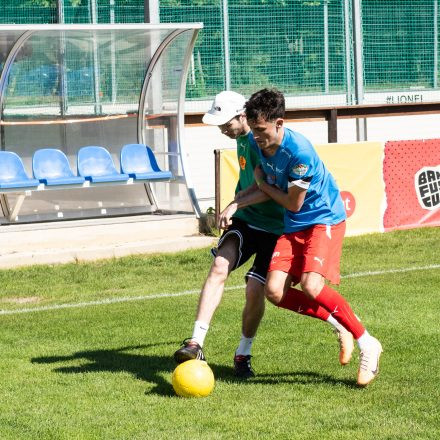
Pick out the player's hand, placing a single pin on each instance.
(225, 216)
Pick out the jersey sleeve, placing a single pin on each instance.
(254, 151)
(255, 158)
(301, 171)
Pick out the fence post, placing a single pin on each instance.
(226, 45)
(349, 98)
(332, 125)
(435, 48)
(326, 49)
(217, 184)
(361, 123)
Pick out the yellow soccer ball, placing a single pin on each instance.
(193, 378)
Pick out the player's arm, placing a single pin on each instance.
(292, 200)
(248, 196)
(244, 192)
(251, 197)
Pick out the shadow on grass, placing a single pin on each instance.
(292, 377)
(151, 368)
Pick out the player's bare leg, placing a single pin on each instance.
(209, 300)
(212, 290)
(253, 312)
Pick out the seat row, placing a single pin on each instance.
(51, 168)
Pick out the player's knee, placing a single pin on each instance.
(311, 286)
(220, 268)
(273, 292)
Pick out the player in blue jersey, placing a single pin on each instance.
(251, 230)
(309, 251)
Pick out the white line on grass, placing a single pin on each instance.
(383, 272)
(189, 292)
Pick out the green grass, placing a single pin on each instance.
(104, 371)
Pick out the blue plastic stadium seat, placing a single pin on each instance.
(96, 164)
(80, 82)
(51, 167)
(38, 81)
(139, 162)
(12, 172)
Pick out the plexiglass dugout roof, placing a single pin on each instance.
(69, 86)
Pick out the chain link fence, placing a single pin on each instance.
(305, 48)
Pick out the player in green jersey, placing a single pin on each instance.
(253, 229)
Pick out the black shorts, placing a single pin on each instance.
(251, 241)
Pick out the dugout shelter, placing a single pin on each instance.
(67, 87)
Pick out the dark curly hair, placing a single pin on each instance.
(267, 104)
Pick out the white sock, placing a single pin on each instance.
(244, 348)
(335, 323)
(364, 340)
(199, 332)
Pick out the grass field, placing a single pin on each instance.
(86, 351)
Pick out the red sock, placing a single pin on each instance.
(297, 301)
(341, 310)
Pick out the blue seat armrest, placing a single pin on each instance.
(154, 175)
(74, 180)
(108, 178)
(31, 184)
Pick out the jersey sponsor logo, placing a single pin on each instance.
(427, 186)
(300, 169)
(242, 162)
(275, 254)
(271, 179)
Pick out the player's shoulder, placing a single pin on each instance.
(250, 138)
(297, 146)
(297, 138)
(251, 142)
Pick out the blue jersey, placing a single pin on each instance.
(296, 162)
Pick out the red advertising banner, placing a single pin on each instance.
(411, 172)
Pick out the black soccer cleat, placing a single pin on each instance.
(189, 350)
(242, 366)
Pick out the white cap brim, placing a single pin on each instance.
(216, 119)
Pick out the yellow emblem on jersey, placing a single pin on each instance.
(242, 162)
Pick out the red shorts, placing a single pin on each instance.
(316, 249)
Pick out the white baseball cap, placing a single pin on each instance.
(226, 106)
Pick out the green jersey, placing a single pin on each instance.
(268, 215)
